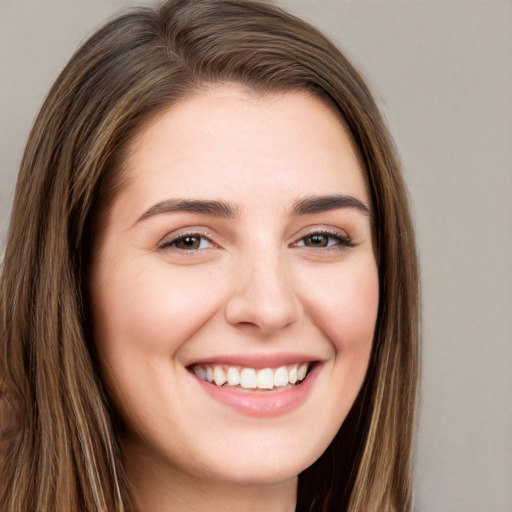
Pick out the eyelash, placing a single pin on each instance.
(340, 241)
(173, 242)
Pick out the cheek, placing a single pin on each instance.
(143, 316)
(345, 306)
(148, 306)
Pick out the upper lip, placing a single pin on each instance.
(257, 360)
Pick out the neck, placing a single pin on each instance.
(168, 489)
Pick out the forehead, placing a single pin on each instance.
(224, 138)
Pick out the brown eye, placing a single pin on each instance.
(324, 241)
(187, 243)
(317, 240)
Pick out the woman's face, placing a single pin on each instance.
(235, 288)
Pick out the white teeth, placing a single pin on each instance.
(200, 371)
(281, 376)
(250, 378)
(233, 376)
(302, 371)
(265, 379)
(219, 376)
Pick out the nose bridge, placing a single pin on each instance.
(264, 294)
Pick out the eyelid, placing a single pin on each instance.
(344, 239)
(168, 240)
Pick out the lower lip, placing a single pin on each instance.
(262, 404)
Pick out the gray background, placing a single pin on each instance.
(442, 74)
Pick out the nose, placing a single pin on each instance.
(264, 295)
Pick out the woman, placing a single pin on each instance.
(209, 293)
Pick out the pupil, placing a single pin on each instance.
(189, 242)
(318, 240)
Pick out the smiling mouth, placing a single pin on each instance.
(248, 379)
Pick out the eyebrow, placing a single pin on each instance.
(227, 210)
(214, 208)
(318, 204)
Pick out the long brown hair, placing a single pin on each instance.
(63, 454)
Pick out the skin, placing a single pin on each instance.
(252, 284)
